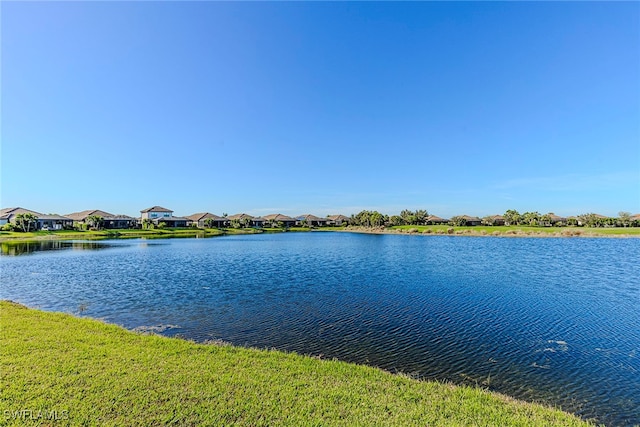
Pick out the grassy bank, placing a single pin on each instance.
(121, 234)
(482, 230)
(85, 372)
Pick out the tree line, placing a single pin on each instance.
(374, 218)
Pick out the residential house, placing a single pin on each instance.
(276, 219)
(109, 220)
(435, 220)
(471, 220)
(338, 220)
(552, 219)
(495, 220)
(44, 221)
(203, 220)
(158, 215)
(311, 220)
(247, 220)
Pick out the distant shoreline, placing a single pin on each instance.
(481, 231)
(417, 230)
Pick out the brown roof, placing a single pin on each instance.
(435, 218)
(119, 216)
(309, 217)
(241, 216)
(54, 217)
(470, 218)
(171, 219)
(634, 217)
(7, 212)
(278, 217)
(156, 209)
(338, 217)
(81, 216)
(555, 217)
(205, 215)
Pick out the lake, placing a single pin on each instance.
(552, 320)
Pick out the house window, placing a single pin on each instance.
(153, 215)
(166, 215)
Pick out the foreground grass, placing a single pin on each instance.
(85, 372)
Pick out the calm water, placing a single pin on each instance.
(550, 320)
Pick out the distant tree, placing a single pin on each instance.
(245, 222)
(458, 221)
(24, 221)
(147, 223)
(530, 218)
(94, 221)
(545, 220)
(376, 219)
(421, 216)
(208, 222)
(408, 217)
(162, 225)
(395, 220)
(624, 218)
(590, 220)
(235, 223)
(488, 220)
(369, 219)
(572, 222)
(512, 217)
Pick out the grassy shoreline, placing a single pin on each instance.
(491, 231)
(501, 231)
(86, 372)
(121, 234)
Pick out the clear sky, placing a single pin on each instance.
(456, 108)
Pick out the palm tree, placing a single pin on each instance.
(512, 217)
(94, 221)
(421, 216)
(624, 218)
(25, 221)
(458, 221)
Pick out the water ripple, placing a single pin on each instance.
(549, 320)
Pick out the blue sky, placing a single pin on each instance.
(456, 108)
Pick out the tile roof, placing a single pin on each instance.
(241, 216)
(470, 218)
(205, 215)
(81, 216)
(55, 217)
(278, 217)
(156, 209)
(309, 217)
(7, 212)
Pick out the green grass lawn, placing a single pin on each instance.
(133, 233)
(91, 373)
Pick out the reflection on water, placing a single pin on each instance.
(549, 320)
(23, 248)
